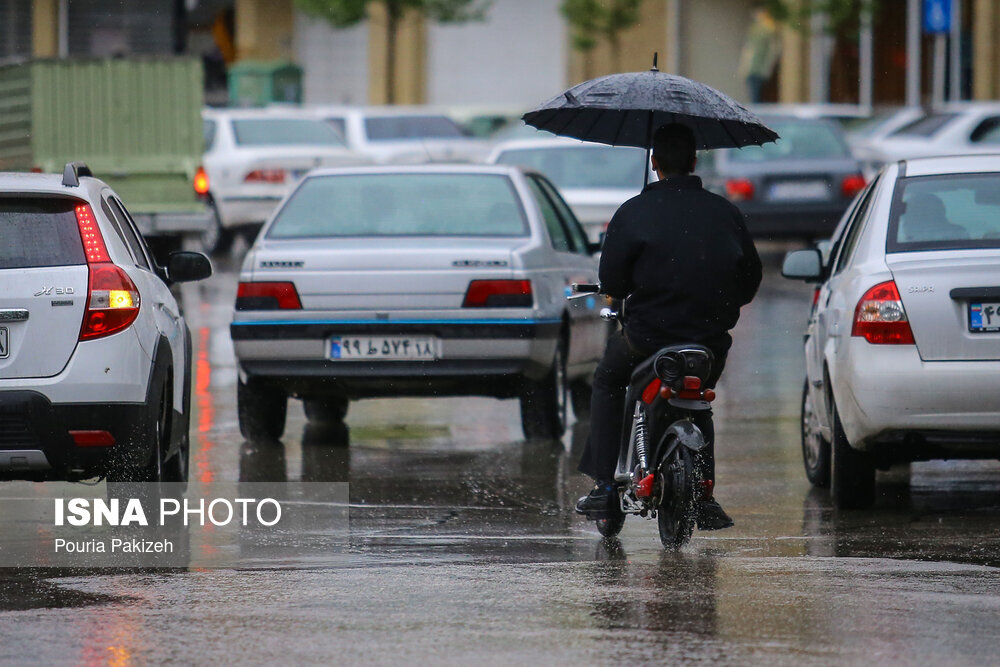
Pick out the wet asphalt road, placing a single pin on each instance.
(464, 549)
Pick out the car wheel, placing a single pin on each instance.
(328, 410)
(152, 470)
(544, 402)
(216, 239)
(262, 409)
(815, 449)
(852, 473)
(580, 393)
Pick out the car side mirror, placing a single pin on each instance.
(804, 265)
(185, 266)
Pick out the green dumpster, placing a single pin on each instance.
(253, 83)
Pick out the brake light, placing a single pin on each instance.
(201, 182)
(267, 296)
(498, 294)
(880, 318)
(265, 176)
(112, 297)
(90, 234)
(852, 185)
(739, 189)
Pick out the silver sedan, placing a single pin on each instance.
(426, 280)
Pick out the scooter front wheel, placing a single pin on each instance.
(612, 524)
(676, 513)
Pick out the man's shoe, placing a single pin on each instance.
(711, 516)
(598, 501)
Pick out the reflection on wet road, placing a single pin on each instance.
(464, 546)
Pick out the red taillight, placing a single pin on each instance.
(201, 182)
(739, 189)
(880, 318)
(265, 176)
(498, 294)
(92, 438)
(652, 389)
(815, 297)
(267, 296)
(852, 185)
(692, 382)
(90, 234)
(113, 302)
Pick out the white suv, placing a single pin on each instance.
(95, 356)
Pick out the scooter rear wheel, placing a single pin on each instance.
(676, 513)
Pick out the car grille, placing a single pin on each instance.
(15, 431)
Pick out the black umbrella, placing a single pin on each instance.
(625, 109)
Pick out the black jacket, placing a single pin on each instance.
(683, 259)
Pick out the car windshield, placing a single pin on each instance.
(39, 232)
(402, 204)
(284, 132)
(800, 140)
(945, 212)
(583, 166)
(402, 128)
(925, 127)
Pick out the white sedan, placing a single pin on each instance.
(252, 159)
(903, 344)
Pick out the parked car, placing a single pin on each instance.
(95, 356)
(432, 280)
(958, 128)
(845, 115)
(880, 125)
(796, 187)
(594, 179)
(253, 158)
(903, 343)
(403, 135)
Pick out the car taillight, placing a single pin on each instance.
(880, 318)
(739, 189)
(267, 296)
(265, 176)
(201, 182)
(112, 297)
(498, 294)
(852, 185)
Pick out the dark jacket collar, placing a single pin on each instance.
(689, 182)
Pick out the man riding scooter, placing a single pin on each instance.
(683, 262)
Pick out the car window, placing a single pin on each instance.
(945, 212)
(37, 232)
(339, 124)
(801, 139)
(284, 131)
(583, 166)
(128, 233)
(399, 128)
(854, 229)
(577, 237)
(208, 129)
(557, 233)
(987, 132)
(401, 204)
(925, 127)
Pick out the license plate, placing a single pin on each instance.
(984, 317)
(799, 190)
(4, 343)
(352, 348)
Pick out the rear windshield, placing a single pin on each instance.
(39, 232)
(945, 212)
(583, 166)
(925, 127)
(399, 128)
(284, 132)
(800, 140)
(402, 205)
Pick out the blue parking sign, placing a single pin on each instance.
(937, 16)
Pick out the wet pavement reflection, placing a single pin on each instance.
(464, 547)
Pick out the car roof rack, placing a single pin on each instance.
(73, 172)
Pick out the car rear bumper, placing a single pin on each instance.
(35, 440)
(246, 210)
(888, 397)
(793, 220)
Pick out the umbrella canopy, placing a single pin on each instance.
(625, 109)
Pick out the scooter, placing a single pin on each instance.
(657, 476)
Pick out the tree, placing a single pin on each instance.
(591, 20)
(345, 13)
(838, 13)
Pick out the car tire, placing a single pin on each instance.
(262, 409)
(327, 410)
(852, 474)
(815, 448)
(130, 470)
(580, 393)
(216, 239)
(544, 402)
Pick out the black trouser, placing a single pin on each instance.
(607, 409)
